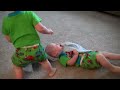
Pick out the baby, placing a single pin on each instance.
(20, 28)
(87, 60)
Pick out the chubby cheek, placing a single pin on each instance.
(56, 53)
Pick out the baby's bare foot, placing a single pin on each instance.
(52, 73)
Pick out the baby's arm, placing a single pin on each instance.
(42, 29)
(73, 59)
(7, 38)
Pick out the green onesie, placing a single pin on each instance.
(19, 26)
(88, 62)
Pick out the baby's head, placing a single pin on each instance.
(53, 49)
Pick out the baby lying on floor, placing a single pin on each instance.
(87, 59)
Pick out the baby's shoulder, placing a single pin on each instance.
(63, 53)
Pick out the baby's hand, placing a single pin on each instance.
(75, 52)
(50, 31)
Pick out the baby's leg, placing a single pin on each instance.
(46, 64)
(111, 56)
(106, 64)
(18, 72)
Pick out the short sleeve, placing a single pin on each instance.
(63, 59)
(35, 18)
(5, 30)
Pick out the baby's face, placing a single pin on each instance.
(58, 48)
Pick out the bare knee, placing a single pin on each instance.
(99, 55)
(104, 62)
(106, 54)
(18, 72)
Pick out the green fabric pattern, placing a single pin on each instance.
(20, 28)
(24, 56)
(89, 61)
(63, 59)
